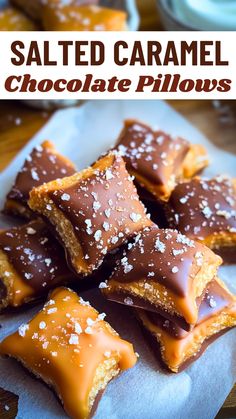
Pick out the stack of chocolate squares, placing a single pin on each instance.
(172, 283)
(93, 225)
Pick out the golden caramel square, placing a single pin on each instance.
(178, 348)
(31, 263)
(42, 165)
(93, 212)
(157, 160)
(163, 271)
(72, 349)
(11, 19)
(205, 210)
(74, 17)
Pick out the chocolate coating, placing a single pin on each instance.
(153, 154)
(154, 206)
(42, 165)
(138, 302)
(203, 207)
(3, 290)
(215, 299)
(35, 255)
(104, 210)
(165, 256)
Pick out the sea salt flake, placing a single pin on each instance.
(128, 301)
(23, 329)
(52, 310)
(212, 302)
(160, 246)
(103, 285)
(90, 322)
(106, 226)
(65, 197)
(135, 217)
(109, 174)
(78, 328)
(107, 213)
(207, 212)
(45, 345)
(34, 175)
(28, 276)
(31, 231)
(48, 262)
(101, 316)
(183, 200)
(98, 235)
(96, 205)
(74, 339)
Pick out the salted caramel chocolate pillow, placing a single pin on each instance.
(93, 212)
(165, 272)
(31, 263)
(158, 160)
(178, 348)
(42, 165)
(72, 349)
(205, 210)
(34, 8)
(71, 17)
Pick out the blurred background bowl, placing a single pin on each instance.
(168, 18)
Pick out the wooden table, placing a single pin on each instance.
(18, 123)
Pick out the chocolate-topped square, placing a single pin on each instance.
(31, 262)
(71, 16)
(93, 212)
(158, 160)
(205, 210)
(42, 165)
(163, 271)
(178, 348)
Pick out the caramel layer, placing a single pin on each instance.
(217, 313)
(71, 347)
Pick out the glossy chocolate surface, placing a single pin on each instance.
(165, 256)
(104, 210)
(155, 155)
(154, 206)
(42, 165)
(35, 255)
(216, 298)
(202, 207)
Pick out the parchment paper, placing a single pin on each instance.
(144, 392)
